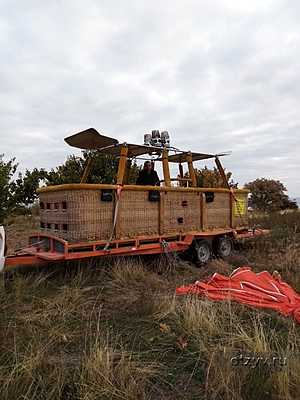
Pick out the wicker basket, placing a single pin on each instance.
(81, 214)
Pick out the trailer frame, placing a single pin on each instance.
(46, 249)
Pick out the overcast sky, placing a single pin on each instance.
(218, 75)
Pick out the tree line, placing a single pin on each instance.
(18, 190)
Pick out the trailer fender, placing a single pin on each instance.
(2, 248)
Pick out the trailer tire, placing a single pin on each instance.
(224, 246)
(202, 251)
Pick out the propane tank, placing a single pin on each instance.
(165, 138)
(155, 140)
(147, 139)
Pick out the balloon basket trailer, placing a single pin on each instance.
(84, 220)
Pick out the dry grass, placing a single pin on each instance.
(18, 228)
(210, 334)
(116, 330)
(110, 372)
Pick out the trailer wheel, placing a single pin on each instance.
(202, 251)
(224, 246)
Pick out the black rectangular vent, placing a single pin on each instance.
(154, 195)
(106, 195)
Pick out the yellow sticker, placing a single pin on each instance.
(240, 206)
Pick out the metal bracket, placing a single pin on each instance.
(164, 244)
(2, 248)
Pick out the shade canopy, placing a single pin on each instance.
(134, 150)
(90, 139)
(182, 157)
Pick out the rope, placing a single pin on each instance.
(36, 244)
(116, 211)
(172, 256)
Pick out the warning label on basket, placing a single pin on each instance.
(240, 206)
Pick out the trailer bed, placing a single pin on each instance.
(46, 249)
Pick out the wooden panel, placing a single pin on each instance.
(218, 211)
(86, 217)
(137, 215)
(191, 169)
(183, 207)
(203, 213)
(166, 169)
(122, 165)
(162, 213)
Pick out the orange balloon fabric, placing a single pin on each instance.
(245, 286)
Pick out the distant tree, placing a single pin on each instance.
(269, 195)
(17, 194)
(104, 170)
(69, 172)
(211, 178)
(289, 204)
(7, 170)
(25, 186)
(133, 173)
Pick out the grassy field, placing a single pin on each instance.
(115, 329)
